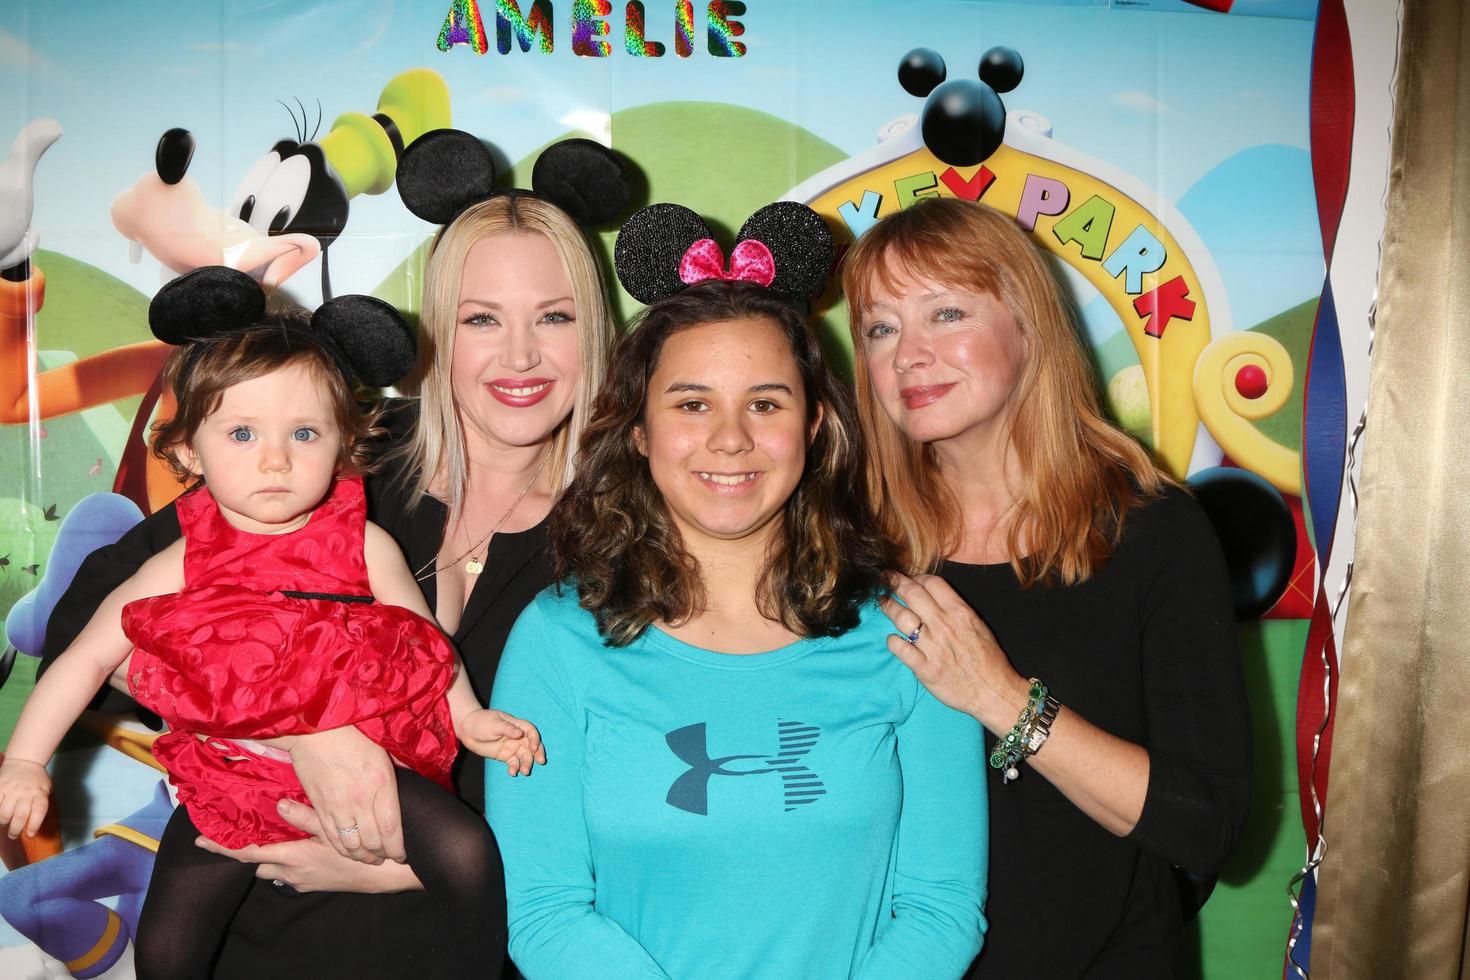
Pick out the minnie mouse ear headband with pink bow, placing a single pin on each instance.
(366, 337)
(664, 248)
(445, 171)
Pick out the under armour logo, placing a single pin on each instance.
(691, 791)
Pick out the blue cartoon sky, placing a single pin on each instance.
(1177, 96)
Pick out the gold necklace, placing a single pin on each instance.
(474, 566)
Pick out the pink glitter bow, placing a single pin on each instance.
(751, 262)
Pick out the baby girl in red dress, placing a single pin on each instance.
(281, 611)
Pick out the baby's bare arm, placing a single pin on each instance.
(393, 584)
(492, 734)
(64, 691)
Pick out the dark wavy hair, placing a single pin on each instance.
(612, 534)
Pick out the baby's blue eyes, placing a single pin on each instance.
(245, 434)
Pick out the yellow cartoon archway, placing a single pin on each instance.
(1134, 248)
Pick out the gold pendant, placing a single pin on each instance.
(473, 566)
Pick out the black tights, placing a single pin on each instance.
(194, 894)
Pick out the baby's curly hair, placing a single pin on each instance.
(198, 374)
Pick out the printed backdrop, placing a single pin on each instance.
(1159, 149)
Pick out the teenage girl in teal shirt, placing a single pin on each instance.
(741, 780)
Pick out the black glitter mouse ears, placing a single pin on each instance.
(445, 171)
(366, 337)
(664, 248)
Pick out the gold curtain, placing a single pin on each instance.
(1394, 887)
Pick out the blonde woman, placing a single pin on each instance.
(516, 328)
(1065, 593)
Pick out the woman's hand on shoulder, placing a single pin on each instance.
(505, 738)
(955, 655)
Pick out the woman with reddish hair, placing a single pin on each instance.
(1064, 592)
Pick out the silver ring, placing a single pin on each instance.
(278, 883)
(348, 831)
(913, 636)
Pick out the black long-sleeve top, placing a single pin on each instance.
(1146, 651)
(326, 935)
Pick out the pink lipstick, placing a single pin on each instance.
(519, 392)
(921, 395)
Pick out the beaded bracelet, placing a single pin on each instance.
(1029, 733)
(1010, 748)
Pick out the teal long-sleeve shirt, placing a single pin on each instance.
(809, 812)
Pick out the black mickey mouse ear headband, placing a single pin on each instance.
(366, 337)
(664, 248)
(445, 171)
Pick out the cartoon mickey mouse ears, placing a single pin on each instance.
(964, 120)
(664, 248)
(365, 336)
(445, 171)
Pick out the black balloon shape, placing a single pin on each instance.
(1002, 68)
(964, 122)
(1256, 533)
(920, 71)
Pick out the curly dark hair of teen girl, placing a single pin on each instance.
(612, 534)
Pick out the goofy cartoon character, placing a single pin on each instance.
(289, 207)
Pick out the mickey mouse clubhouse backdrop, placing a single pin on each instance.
(1177, 158)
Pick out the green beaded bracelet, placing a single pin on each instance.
(1013, 747)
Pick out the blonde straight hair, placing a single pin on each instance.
(437, 453)
(1080, 475)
